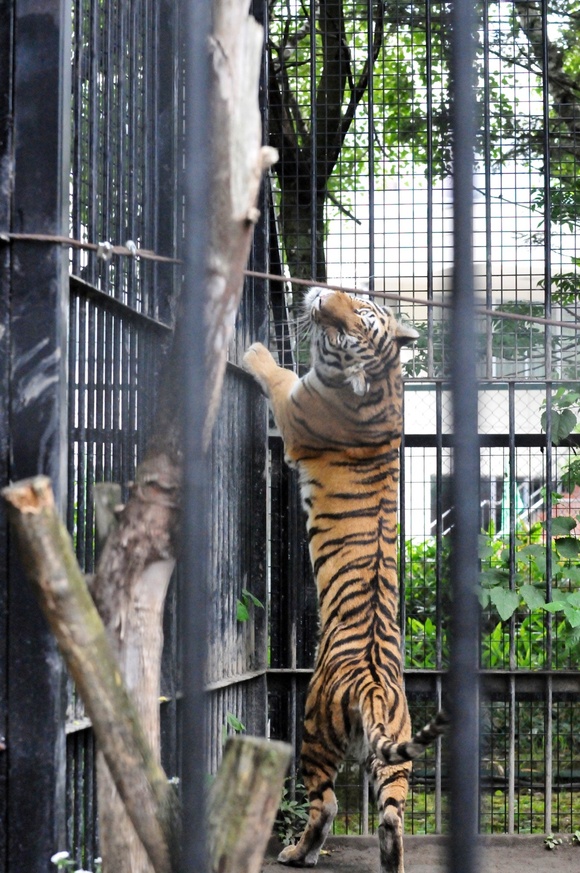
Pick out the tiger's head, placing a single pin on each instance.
(353, 341)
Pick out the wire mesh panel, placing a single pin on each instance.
(125, 141)
(359, 109)
(126, 138)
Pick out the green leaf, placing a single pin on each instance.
(561, 525)
(235, 723)
(534, 553)
(505, 601)
(567, 547)
(572, 614)
(486, 549)
(252, 598)
(563, 423)
(242, 613)
(483, 596)
(574, 598)
(555, 606)
(532, 597)
(494, 576)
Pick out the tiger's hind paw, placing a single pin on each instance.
(291, 856)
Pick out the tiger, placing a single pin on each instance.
(341, 424)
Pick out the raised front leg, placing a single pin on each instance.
(277, 384)
(275, 381)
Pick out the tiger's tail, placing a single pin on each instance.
(396, 753)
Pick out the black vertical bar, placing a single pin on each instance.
(430, 175)
(95, 220)
(197, 28)
(79, 462)
(511, 484)
(439, 522)
(547, 155)
(6, 95)
(166, 91)
(314, 145)
(464, 563)
(487, 171)
(402, 538)
(548, 360)
(38, 418)
(439, 575)
(371, 146)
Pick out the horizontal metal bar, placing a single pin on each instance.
(493, 681)
(230, 681)
(115, 307)
(79, 724)
(239, 371)
(406, 298)
(103, 249)
(485, 441)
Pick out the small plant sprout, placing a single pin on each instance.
(292, 813)
(243, 605)
(232, 724)
(62, 860)
(552, 842)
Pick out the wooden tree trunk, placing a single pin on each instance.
(243, 803)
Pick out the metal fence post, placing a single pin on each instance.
(36, 287)
(197, 21)
(464, 564)
(6, 70)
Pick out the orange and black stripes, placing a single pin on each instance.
(342, 424)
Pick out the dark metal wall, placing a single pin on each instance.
(34, 161)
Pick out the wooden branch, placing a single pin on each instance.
(107, 503)
(47, 555)
(243, 803)
(239, 161)
(564, 88)
(129, 590)
(334, 75)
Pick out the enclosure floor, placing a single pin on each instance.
(426, 854)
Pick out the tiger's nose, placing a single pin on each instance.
(316, 297)
(325, 294)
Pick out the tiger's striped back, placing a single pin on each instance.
(342, 426)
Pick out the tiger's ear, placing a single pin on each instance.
(358, 383)
(405, 334)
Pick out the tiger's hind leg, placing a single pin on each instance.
(319, 763)
(324, 745)
(319, 784)
(391, 783)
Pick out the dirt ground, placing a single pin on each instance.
(426, 854)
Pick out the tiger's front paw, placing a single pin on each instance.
(256, 358)
(260, 364)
